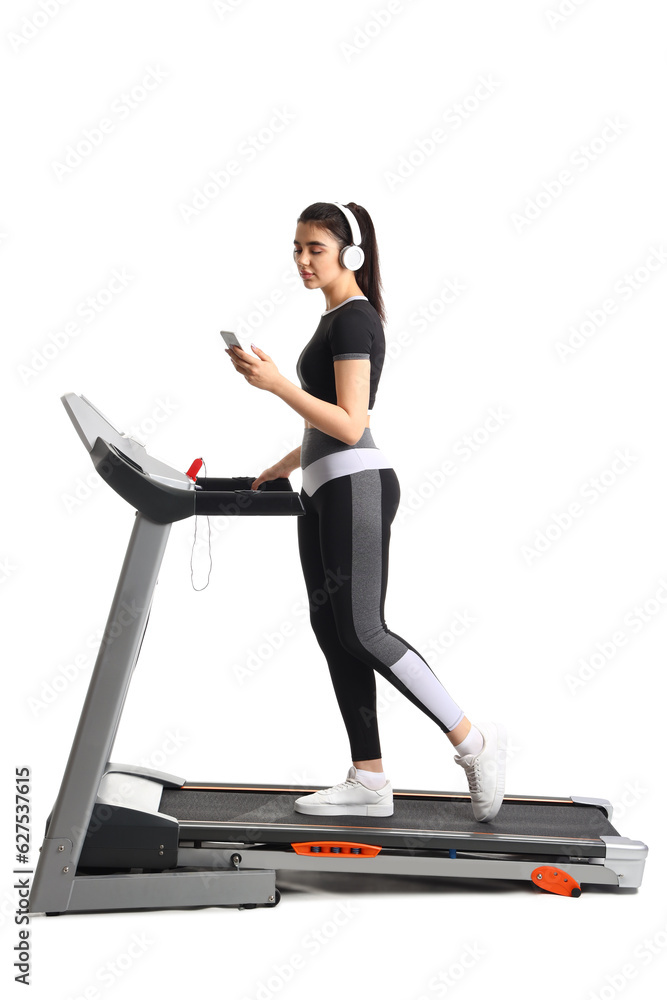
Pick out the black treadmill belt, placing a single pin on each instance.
(248, 814)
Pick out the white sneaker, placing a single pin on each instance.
(348, 798)
(485, 772)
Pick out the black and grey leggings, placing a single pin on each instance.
(351, 495)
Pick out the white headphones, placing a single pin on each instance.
(351, 257)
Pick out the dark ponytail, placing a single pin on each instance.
(331, 218)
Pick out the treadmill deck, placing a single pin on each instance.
(421, 820)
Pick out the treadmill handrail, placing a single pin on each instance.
(162, 493)
(165, 504)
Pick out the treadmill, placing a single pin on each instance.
(125, 837)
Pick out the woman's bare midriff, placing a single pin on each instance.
(368, 422)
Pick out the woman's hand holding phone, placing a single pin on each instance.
(258, 368)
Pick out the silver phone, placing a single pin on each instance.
(231, 339)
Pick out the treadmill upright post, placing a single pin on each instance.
(95, 734)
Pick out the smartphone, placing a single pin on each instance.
(231, 339)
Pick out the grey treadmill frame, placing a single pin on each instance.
(237, 874)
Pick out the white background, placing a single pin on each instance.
(362, 97)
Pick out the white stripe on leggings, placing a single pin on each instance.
(418, 678)
(341, 463)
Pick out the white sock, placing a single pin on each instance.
(473, 743)
(371, 779)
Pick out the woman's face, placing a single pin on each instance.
(316, 255)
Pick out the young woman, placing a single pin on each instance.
(351, 494)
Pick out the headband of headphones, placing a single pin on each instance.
(354, 225)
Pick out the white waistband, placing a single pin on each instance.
(342, 463)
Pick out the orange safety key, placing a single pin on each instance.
(194, 468)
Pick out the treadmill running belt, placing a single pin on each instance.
(248, 812)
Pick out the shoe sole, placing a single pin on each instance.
(331, 810)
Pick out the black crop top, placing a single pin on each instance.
(353, 330)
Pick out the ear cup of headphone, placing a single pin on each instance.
(352, 257)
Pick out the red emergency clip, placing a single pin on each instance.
(194, 469)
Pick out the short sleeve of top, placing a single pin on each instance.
(352, 330)
(351, 336)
